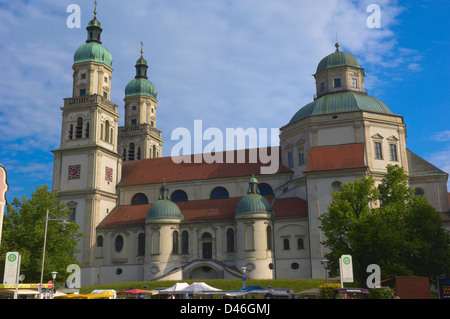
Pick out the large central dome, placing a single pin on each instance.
(340, 90)
(339, 102)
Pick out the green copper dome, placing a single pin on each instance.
(93, 51)
(253, 202)
(339, 102)
(336, 59)
(140, 86)
(164, 208)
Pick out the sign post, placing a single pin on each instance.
(346, 269)
(11, 263)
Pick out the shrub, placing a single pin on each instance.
(327, 290)
(381, 293)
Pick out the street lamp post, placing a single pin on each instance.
(61, 221)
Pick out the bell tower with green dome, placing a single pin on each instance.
(87, 166)
(139, 138)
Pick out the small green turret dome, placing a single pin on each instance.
(253, 202)
(140, 85)
(337, 58)
(164, 208)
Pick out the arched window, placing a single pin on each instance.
(230, 240)
(179, 196)
(139, 199)
(269, 237)
(118, 243)
(265, 189)
(154, 151)
(131, 151)
(185, 243)
(175, 243)
(79, 128)
(219, 192)
(141, 244)
(335, 186)
(107, 128)
(419, 192)
(207, 246)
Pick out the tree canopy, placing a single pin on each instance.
(385, 225)
(23, 231)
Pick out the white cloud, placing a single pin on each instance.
(442, 136)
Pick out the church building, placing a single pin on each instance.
(147, 217)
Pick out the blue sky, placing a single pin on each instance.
(229, 63)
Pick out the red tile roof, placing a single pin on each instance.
(203, 210)
(336, 157)
(158, 170)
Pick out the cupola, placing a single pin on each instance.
(164, 208)
(253, 202)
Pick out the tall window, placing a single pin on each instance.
(393, 152)
(354, 83)
(141, 244)
(269, 237)
(230, 240)
(70, 131)
(300, 244)
(86, 130)
(79, 128)
(378, 152)
(301, 157)
(185, 243)
(286, 244)
(118, 243)
(175, 243)
(107, 128)
(131, 151)
(99, 241)
(290, 160)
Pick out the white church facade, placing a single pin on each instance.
(145, 217)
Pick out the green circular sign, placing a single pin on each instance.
(12, 257)
(346, 260)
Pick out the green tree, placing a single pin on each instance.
(23, 231)
(404, 234)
